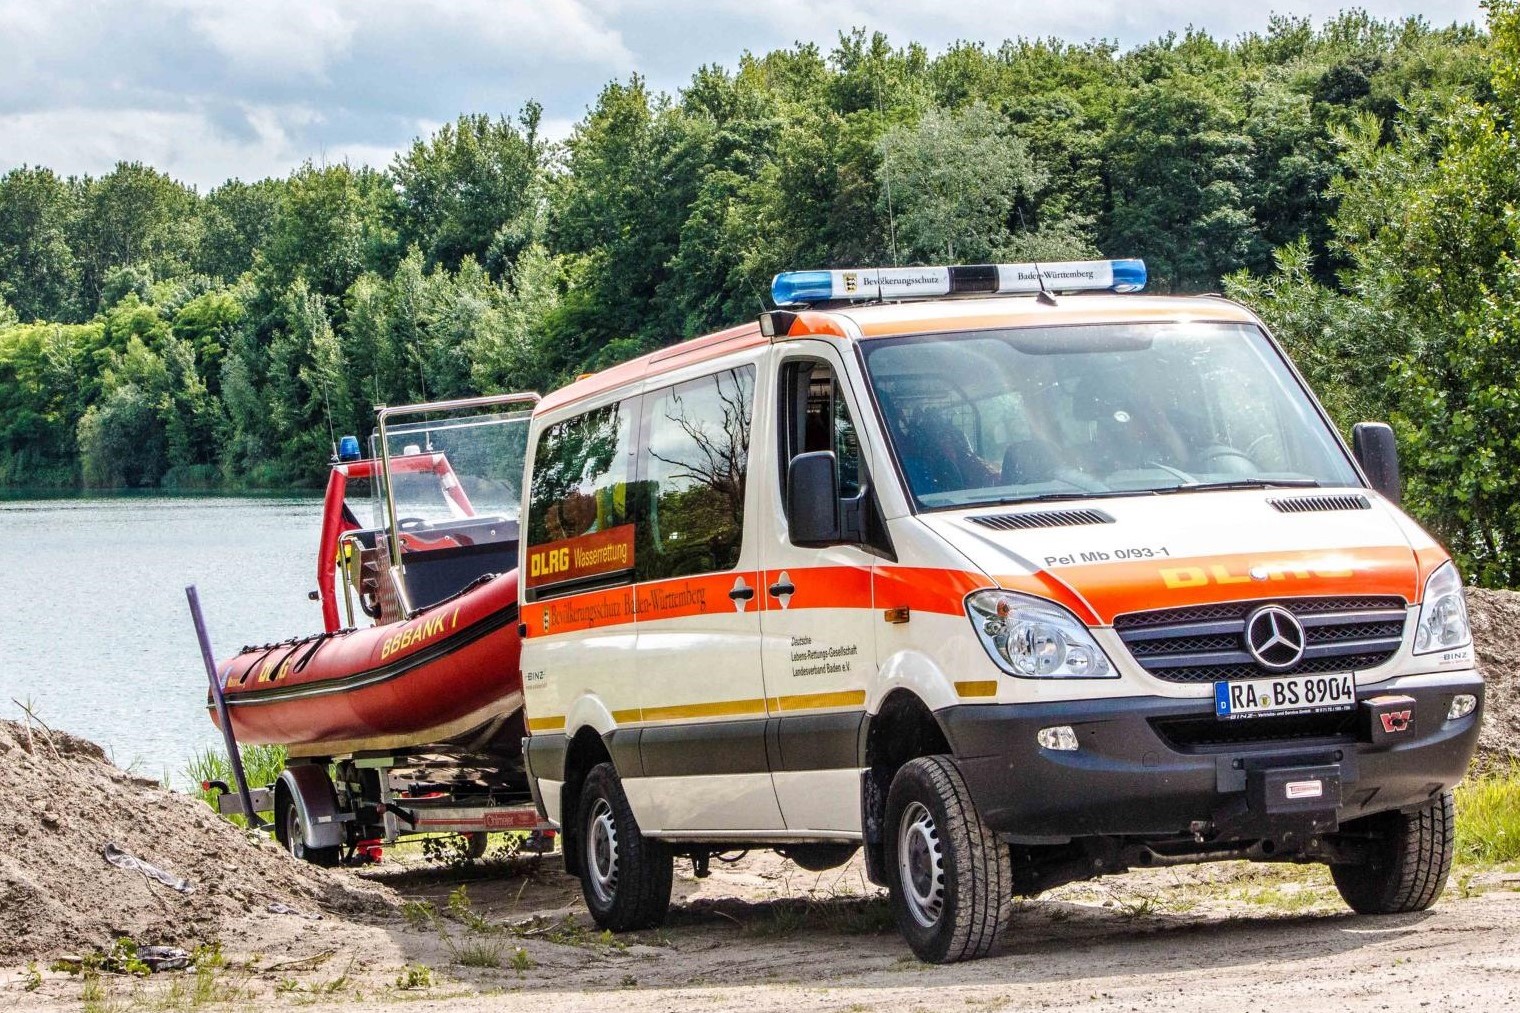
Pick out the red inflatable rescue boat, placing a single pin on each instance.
(437, 574)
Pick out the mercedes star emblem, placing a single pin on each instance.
(1275, 638)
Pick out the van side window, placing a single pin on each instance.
(696, 453)
(816, 417)
(581, 474)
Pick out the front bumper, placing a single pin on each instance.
(1154, 767)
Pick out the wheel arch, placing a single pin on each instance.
(587, 748)
(308, 787)
(902, 729)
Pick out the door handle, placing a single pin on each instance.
(742, 593)
(782, 587)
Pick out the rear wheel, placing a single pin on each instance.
(949, 877)
(295, 837)
(1407, 862)
(625, 876)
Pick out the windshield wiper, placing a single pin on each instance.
(1242, 483)
(1051, 497)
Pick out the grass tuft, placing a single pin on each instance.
(1488, 817)
(261, 764)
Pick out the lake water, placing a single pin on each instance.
(97, 636)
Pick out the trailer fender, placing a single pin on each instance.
(311, 792)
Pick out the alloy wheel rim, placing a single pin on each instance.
(921, 865)
(602, 852)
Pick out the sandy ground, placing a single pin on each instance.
(760, 934)
(763, 935)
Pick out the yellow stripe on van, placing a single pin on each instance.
(628, 717)
(720, 708)
(545, 724)
(819, 701)
(980, 687)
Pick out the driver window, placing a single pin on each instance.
(817, 417)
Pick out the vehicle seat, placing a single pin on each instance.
(1028, 462)
(938, 458)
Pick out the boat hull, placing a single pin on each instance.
(449, 673)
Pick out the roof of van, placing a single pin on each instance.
(879, 320)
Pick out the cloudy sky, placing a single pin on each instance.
(208, 89)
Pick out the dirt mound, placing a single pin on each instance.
(1495, 619)
(61, 802)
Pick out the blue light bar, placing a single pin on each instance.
(792, 288)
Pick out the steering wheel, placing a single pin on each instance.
(411, 523)
(1215, 457)
(1255, 444)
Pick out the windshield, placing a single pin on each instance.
(1114, 409)
(449, 470)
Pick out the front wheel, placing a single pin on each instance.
(625, 876)
(949, 877)
(1407, 862)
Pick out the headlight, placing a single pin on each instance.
(1443, 615)
(1034, 639)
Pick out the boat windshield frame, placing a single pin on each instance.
(386, 418)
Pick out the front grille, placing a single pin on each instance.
(1205, 643)
(1042, 519)
(1193, 733)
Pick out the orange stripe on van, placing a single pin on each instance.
(1429, 560)
(821, 587)
(1114, 589)
(694, 596)
(923, 589)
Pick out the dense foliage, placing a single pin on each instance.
(1356, 182)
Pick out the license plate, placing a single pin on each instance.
(1287, 694)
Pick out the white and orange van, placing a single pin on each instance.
(998, 574)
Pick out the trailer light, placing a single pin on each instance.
(794, 288)
(1462, 705)
(1058, 737)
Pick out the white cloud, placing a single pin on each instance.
(207, 89)
(78, 141)
(276, 37)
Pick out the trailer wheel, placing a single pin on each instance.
(1408, 862)
(289, 818)
(949, 877)
(477, 843)
(625, 876)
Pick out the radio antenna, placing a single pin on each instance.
(1044, 296)
(886, 165)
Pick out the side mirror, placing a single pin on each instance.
(812, 499)
(1375, 449)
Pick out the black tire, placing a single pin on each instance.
(625, 876)
(949, 877)
(476, 845)
(1408, 861)
(288, 820)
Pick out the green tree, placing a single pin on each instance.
(39, 276)
(133, 215)
(1179, 176)
(237, 220)
(473, 189)
(965, 191)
